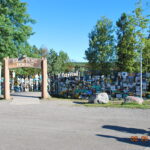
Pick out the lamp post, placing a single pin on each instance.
(0, 78)
(141, 92)
(141, 80)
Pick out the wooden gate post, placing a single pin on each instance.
(44, 79)
(6, 80)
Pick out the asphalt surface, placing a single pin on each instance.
(27, 123)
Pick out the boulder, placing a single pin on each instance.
(101, 98)
(137, 100)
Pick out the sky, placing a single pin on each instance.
(65, 24)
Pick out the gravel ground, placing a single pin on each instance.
(27, 123)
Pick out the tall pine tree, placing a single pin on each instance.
(125, 44)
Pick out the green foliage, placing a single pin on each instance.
(52, 62)
(101, 46)
(126, 41)
(141, 23)
(58, 63)
(146, 56)
(14, 30)
(34, 52)
(43, 52)
(131, 40)
(62, 60)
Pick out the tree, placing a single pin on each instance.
(126, 41)
(140, 24)
(52, 61)
(63, 60)
(43, 51)
(146, 56)
(35, 52)
(58, 63)
(131, 35)
(101, 50)
(14, 28)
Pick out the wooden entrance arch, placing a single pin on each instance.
(28, 62)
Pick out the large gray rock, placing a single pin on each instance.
(101, 98)
(137, 100)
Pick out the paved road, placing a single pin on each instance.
(24, 98)
(63, 125)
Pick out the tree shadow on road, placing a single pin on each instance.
(133, 131)
(17, 95)
(78, 102)
(127, 140)
(127, 130)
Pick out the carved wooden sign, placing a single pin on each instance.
(24, 62)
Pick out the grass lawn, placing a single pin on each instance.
(120, 104)
(115, 103)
